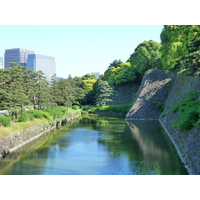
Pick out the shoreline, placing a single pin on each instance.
(18, 139)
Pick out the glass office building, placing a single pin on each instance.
(17, 55)
(46, 64)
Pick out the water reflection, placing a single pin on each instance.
(99, 145)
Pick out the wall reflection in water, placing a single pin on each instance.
(98, 145)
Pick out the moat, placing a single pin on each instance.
(93, 145)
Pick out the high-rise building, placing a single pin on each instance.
(1, 62)
(97, 74)
(17, 55)
(46, 64)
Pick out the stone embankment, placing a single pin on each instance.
(158, 88)
(151, 96)
(123, 94)
(187, 143)
(13, 141)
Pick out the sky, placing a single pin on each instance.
(79, 49)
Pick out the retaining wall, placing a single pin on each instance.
(187, 143)
(13, 141)
(168, 89)
(153, 92)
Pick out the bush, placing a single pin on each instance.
(5, 121)
(75, 107)
(57, 112)
(39, 114)
(84, 112)
(189, 112)
(25, 117)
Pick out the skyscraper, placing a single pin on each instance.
(17, 55)
(46, 64)
(1, 62)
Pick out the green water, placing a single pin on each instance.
(98, 146)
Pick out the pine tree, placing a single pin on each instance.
(103, 93)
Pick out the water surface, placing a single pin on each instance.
(98, 146)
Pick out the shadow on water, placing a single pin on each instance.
(98, 145)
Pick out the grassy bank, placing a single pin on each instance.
(35, 117)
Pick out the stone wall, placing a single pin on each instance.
(168, 89)
(187, 143)
(123, 94)
(152, 93)
(13, 141)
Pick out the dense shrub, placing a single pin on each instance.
(5, 121)
(57, 112)
(26, 117)
(83, 112)
(189, 112)
(75, 107)
(39, 114)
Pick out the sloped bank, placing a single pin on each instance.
(186, 142)
(151, 96)
(158, 88)
(13, 141)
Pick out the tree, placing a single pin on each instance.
(103, 93)
(146, 56)
(15, 88)
(122, 74)
(191, 61)
(41, 93)
(115, 63)
(89, 77)
(68, 93)
(176, 40)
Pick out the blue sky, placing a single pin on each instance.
(79, 49)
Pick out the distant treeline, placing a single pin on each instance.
(178, 51)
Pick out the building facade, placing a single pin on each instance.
(17, 55)
(1, 62)
(46, 64)
(97, 74)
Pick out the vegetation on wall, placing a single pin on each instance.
(189, 112)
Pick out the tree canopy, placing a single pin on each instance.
(146, 56)
(176, 41)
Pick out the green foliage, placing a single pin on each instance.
(88, 87)
(146, 56)
(103, 93)
(5, 121)
(75, 107)
(39, 114)
(111, 108)
(176, 40)
(191, 61)
(122, 74)
(69, 92)
(26, 117)
(83, 112)
(16, 84)
(57, 112)
(115, 63)
(89, 77)
(189, 112)
(160, 106)
(163, 115)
